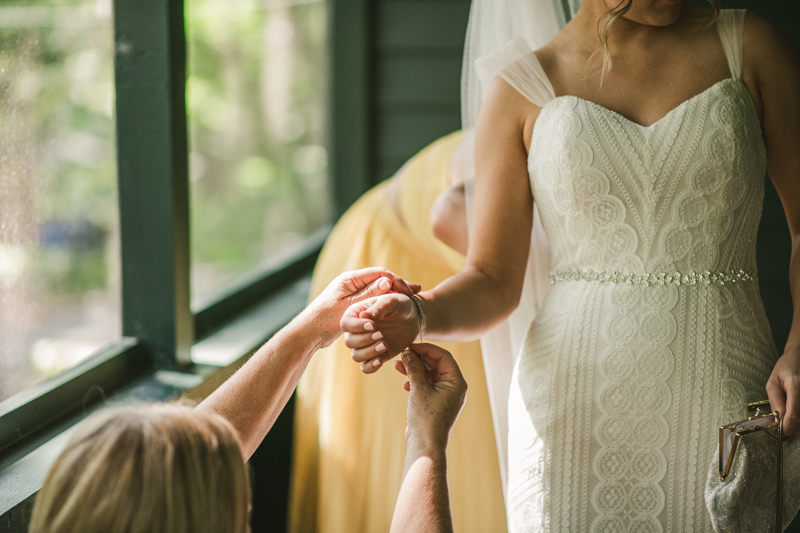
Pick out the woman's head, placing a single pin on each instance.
(147, 469)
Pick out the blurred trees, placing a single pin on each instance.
(256, 96)
(58, 209)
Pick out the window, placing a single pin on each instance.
(256, 97)
(110, 139)
(99, 152)
(59, 254)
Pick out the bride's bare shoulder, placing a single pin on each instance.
(766, 50)
(763, 38)
(770, 65)
(565, 57)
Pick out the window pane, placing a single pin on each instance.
(59, 259)
(258, 164)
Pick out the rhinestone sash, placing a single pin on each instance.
(662, 278)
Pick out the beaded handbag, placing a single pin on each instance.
(752, 484)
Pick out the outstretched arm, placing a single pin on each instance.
(468, 304)
(436, 399)
(773, 68)
(253, 398)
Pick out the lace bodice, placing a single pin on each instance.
(683, 194)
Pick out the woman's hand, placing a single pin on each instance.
(379, 328)
(783, 389)
(437, 395)
(350, 288)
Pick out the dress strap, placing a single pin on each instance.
(730, 23)
(518, 65)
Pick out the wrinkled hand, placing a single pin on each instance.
(379, 328)
(783, 389)
(350, 288)
(437, 395)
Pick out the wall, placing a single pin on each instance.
(418, 48)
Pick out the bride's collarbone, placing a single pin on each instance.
(645, 98)
(643, 84)
(646, 92)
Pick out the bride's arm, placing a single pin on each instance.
(468, 304)
(773, 67)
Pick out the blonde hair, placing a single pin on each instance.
(148, 469)
(612, 15)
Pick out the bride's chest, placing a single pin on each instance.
(717, 131)
(600, 178)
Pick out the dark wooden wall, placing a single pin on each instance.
(418, 46)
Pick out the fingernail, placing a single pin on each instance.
(376, 363)
(406, 356)
(384, 284)
(377, 335)
(368, 326)
(380, 347)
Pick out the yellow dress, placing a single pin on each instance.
(349, 429)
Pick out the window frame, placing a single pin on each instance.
(158, 324)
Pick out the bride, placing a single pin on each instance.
(641, 134)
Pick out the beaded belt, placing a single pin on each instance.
(664, 278)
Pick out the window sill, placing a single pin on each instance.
(24, 466)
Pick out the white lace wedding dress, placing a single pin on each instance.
(653, 333)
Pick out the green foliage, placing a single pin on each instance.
(57, 147)
(256, 104)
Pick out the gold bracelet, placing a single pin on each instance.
(420, 315)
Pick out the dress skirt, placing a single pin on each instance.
(617, 400)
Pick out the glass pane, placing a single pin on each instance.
(59, 258)
(258, 165)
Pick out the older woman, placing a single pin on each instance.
(173, 469)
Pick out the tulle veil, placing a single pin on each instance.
(492, 24)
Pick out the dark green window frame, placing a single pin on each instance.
(158, 324)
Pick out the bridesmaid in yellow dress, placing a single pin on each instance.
(349, 441)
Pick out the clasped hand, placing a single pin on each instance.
(437, 388)
(379, 328)
(347, 290)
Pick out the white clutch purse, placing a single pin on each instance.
(753, 483)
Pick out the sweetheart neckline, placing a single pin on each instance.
(634, 123)
(654, 124)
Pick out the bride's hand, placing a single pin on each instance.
(783, 389)
(348, 288)
(379, 328)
